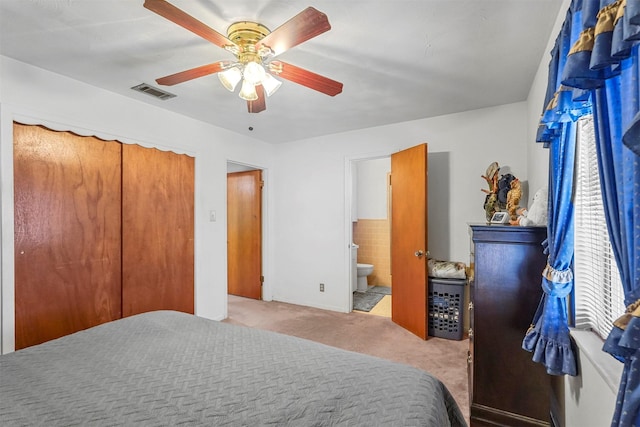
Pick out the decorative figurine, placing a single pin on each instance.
(503, 195)
(491, 200)
(537, 214)
(513, 198)
(504, 187)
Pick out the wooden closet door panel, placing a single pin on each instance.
(67, 233)
(157, 231)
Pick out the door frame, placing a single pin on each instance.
(267, 291)
(348, 226)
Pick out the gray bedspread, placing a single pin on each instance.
(167, 368)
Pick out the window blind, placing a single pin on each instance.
(598, 290)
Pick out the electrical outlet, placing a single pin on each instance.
(321, 287)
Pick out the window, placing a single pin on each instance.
(598, 290)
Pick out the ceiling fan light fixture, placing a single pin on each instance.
(254, 46)
(254, 73)
(270, 84)
(248, 91)
(230, 78)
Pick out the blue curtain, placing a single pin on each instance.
(620, 178)
(603, 63)
(548, 337)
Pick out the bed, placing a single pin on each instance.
(171, 368)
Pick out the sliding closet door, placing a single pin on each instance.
(67, 233)
(157, 231)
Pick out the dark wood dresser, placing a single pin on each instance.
(506, 387)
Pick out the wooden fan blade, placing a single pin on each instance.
(302, 27)
(306, 78)
(259, 104)
(183, 76)
(172, 13)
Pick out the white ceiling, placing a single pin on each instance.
(399, 60)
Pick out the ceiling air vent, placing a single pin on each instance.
(153, 91)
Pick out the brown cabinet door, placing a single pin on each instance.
(509, 388)
(67, 233)
(157, 231)
(409, 239)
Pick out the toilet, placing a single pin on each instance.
(363, 270)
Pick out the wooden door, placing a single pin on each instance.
(244, 233)
(67, 233)
(409, 239)
(157, 231)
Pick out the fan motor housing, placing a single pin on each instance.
(246, 34)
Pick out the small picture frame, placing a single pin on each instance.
(500, 218)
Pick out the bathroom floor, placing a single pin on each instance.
(383, 306)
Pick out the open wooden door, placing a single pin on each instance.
(409, 239)
(244, 233)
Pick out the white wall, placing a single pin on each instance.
(590, 398)
(372, 188)
(33, 95)
(537, 155)
(312, 177)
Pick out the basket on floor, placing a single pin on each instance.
(446, 298)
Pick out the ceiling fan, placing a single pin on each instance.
(254, 47)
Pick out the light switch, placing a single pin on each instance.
(212, 216)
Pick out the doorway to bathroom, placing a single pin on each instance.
(244, 231)
(371, 235)
(408, 230)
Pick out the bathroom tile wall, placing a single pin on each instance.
(374, 238)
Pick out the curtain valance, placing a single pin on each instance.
(608, 41)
